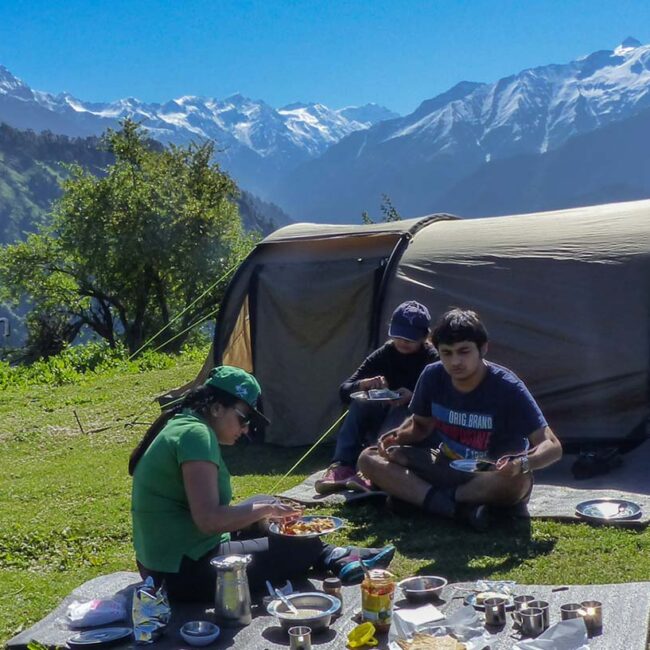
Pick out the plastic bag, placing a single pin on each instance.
(96, 612)
(150, 611)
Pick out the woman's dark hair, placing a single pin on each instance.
(458, 325)
(199, 400)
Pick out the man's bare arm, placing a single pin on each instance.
(418, 429)
(548, 449)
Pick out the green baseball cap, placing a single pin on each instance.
(240, 384)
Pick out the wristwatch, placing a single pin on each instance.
(524, 464)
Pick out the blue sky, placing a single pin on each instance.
(336, 52)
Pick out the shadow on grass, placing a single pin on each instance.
(448, 548)
(264, 459)
(440, 547)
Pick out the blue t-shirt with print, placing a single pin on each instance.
(495, 418)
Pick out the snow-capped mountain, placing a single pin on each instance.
(257, 141)
(323, 164)
(416, 158)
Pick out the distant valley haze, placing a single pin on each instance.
(547, 137)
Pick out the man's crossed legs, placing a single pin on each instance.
(422, 477)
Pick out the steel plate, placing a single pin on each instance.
(100, 636)
(608, 510)
(470, 465)
(470, 599)
(376, 395)
(338, 523)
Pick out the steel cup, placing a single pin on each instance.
(571, 610)
(495, 611)
(545, 607)
(300, 638)
(532, 621)
(593, 616)
(522, 601)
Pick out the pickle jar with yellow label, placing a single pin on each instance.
(377, 595)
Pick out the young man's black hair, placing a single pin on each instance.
(458, 325)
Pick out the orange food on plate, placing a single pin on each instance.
(301, 527)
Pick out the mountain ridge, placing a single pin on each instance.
(418, 157)
(611, 164)
(330, 165)
(256, 141)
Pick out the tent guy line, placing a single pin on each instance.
(281, 480)
(173, 320)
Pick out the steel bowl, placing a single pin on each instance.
(419, 589)
(327, 606)
(199, 633)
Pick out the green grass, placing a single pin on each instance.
(64, 503)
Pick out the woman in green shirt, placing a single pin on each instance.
(181, 511)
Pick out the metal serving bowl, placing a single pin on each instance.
(326, 605)
(199, 633)
(420, 589)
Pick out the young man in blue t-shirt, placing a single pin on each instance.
(464, 407)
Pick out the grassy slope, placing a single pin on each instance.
(31, 170)
(64, 505)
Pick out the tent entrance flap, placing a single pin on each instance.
(312, 328)
(238, 351)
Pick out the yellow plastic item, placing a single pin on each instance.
(362, 635)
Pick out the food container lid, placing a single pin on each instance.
(381, 575)
(332, 583)
(362, 635)
(230, 561)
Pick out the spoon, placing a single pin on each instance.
(365, 569)
(290, 606)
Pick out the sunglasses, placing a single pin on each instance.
(243, 419)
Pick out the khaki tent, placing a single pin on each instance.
(564, 295)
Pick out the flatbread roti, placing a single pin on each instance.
(421, 641)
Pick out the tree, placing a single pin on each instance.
(126, 252)
(388, 210)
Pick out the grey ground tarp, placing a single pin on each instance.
(625, 617)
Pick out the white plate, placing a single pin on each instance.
(100, 636)
(470, 465)
(604, 510)
(338, 523)
(470, 599)
(376, 395)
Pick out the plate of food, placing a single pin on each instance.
(307, 526)
(608, 510)
(472, 465)
(376, 395)
(423, 641)
(477, 599)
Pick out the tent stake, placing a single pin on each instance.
(78, 422)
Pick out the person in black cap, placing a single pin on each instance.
(396, 365)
